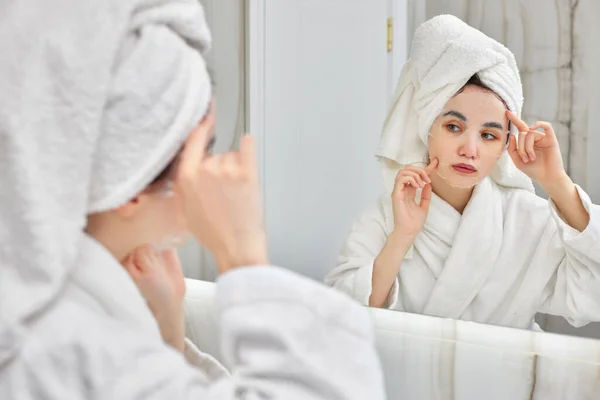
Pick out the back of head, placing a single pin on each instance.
(89, 114)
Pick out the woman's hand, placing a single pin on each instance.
(410, 216)
(221, 200)
(159, 277)
(537, 153)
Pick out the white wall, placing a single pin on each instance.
(326, 86)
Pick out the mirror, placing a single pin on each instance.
(314, 82)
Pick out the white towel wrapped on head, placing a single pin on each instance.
(445, 54)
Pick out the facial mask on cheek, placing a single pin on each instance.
(173, 219)
(458, 176)
(464, 161)
(172, 241)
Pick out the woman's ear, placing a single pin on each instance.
(130, 208)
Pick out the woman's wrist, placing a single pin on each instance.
(245, 253)
(172, 326)
(566, 199)
(400, 237)
(397, 245)
(558, 187)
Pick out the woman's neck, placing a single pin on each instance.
(102, 228)
(458, 198)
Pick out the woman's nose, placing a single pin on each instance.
(468, 147)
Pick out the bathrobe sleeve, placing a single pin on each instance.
(207, 363)
(574, 290)
(283, 337)
(353, 273)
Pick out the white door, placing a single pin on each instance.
(324, 82)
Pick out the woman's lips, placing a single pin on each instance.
(464, 168)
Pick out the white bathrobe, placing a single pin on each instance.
(285, 337)
(509, 256)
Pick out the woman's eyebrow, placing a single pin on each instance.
(456, 114)
(496, 125)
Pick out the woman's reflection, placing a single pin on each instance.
(460, 232)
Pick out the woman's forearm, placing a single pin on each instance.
(386, 266)
(566, 198)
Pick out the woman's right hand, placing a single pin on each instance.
(410, 216)
(221, 199)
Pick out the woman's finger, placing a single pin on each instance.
(512, 149)
(519, 123)
(425, 197)
(195, 150)
(529, 142)
(546, 126)
(131, 268)
(415, 176)
(521, 147)
(402, 173)
(140, 263)
(420, 172)
(432, 166)
(248, 155)
(229, 164)
(409, 180)
(512, 143)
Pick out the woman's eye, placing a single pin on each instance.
(453, 128)
(488, 136)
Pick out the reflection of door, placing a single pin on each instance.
(320, 78)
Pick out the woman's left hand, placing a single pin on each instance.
(537, 153)
(159, 277)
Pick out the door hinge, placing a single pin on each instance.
(390, 33)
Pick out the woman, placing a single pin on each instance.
(460, 232)
(90, 115)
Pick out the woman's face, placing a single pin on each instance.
(162, 212)
(469, 136)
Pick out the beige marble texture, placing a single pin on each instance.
(433, 358)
